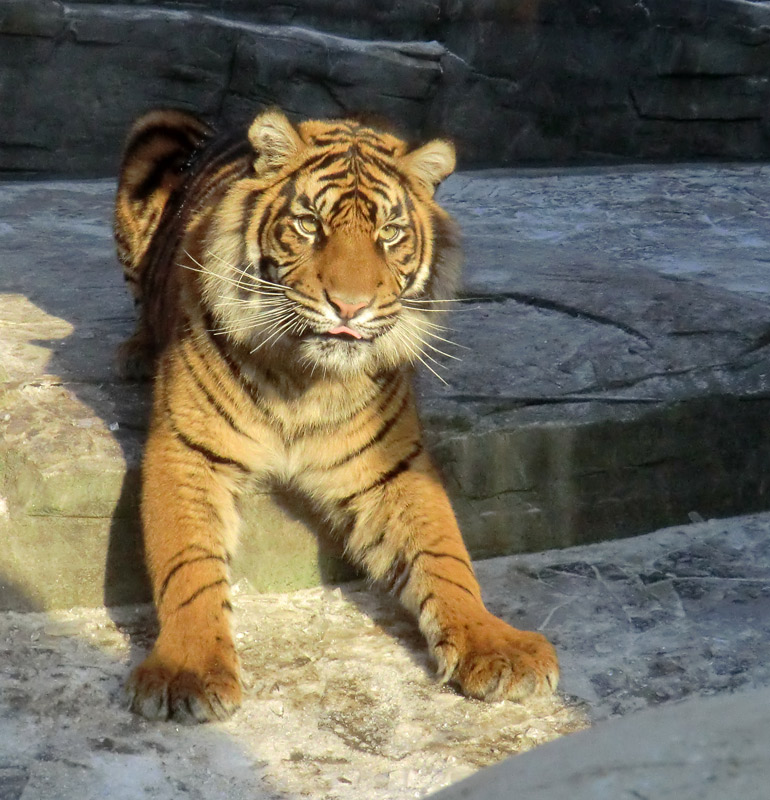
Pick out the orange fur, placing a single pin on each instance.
(284, 281)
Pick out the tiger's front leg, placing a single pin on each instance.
(407, 536)
(190, 523)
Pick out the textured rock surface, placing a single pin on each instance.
(678, 753)
(537, 80)
(616, 380)
(340, 702)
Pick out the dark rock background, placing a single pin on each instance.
(511, 81)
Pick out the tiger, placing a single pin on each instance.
(287, 279)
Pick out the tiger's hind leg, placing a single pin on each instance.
(407, 537)
(190, 523)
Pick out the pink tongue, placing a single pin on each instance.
(344, 329)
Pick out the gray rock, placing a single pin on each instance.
(699, 750)
(560, 80)
(616, 380)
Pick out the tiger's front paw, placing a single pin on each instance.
(161, 691)
(489, 660)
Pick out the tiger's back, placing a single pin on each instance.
(287, 283)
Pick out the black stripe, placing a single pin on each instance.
(240, 379)
(390, 381)
(321, 161)
(389, 168)
(288, 271)
(344, 197)
(397, 570)
(186, 138)
(419, 237)
(198, 547)
(378, 437)
(369, 546)
(377, 146)
(288, 188)
(383, 194)
(321, 193)
(207, 453)
(179, 566)
(249, 204)
(386, 477)
(332, 136)
(210, 455)
(245, 384)
(443, 239)
(450, 581)
(434, 554)
(219, 343)
(429, 596)
(378, 183)
(196, 594)
(172, 162)
(213, 402)
(333, 176)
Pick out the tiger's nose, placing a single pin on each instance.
(346, 310)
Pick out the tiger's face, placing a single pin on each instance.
(335, 253)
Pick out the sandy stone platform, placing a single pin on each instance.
(340, 703)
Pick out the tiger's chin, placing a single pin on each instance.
(341, 355)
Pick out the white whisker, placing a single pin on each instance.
(427, 301)
(430, 324)
(270, 289)
(428, 366)
(432, 335)
(247, 302)
(281, 329)
(413, 350)
(235, 310)
(245, 324)
(427, 344)
(251, 275)
(224, 278)
(425, 310)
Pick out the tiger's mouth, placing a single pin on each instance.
(344, 330)
(341, 334)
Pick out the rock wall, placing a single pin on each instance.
(511, 81)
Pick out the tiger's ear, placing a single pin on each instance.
(275, 140)
(431, 163)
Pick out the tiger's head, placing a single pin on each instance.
(334, 252)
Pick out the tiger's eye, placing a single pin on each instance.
(307, 224)
(389, 233)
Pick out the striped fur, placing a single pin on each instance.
(287, 281)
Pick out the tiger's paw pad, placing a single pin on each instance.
(158, 693)
(493, 661)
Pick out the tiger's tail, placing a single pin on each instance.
(156, 161)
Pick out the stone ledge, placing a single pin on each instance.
(603, 395)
